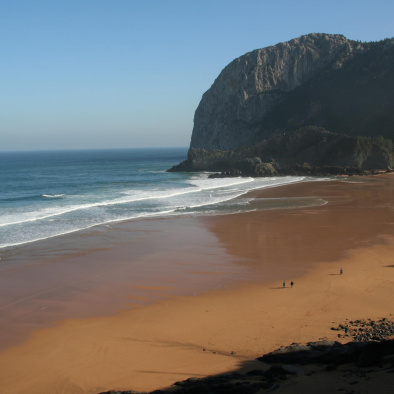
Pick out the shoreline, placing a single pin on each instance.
(162, 342)
(26, 269)
(9, 250)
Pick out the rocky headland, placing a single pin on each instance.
(318, 104)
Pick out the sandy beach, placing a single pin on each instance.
(215, 300)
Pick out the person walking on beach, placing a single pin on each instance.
(284, 283)
(291, 283)
(341, 271)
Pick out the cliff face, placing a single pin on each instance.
(318, 104)
(232, 110)
(356, 98)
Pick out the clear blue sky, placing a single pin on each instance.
(130, 73)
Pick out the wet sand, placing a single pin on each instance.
(142, 262)
(193, 317)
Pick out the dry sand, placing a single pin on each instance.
(151, 346)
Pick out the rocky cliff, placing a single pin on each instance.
(232, 110)
(270, 105)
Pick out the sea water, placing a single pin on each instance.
(50, 193)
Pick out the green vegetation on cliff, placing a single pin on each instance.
(353, 96)
(309, 150)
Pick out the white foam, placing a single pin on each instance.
(134, 196)
(123, 219)
(52, 195)
(215, 183)
(142, 204)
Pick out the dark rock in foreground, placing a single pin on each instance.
(334, 353)
(325, 363)
(366, 329)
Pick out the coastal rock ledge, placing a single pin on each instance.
(318, 104)
(323, 366)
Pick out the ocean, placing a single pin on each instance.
(48, 194)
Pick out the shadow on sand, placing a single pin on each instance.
(296, 364)
(280, 287)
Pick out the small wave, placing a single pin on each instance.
(144, 215)
(52, 195)
(22, 242)
(195, 207)
(165, 194)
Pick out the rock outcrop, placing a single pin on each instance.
(324, 366)
(252, 120)
(231, 111)
(308, 151)
(364, 354)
